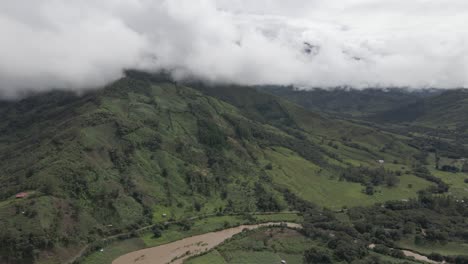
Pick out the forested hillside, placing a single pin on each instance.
(146, 150)
(351, 102)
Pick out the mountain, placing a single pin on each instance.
(449, 108)
(145, 150)
(350, 102)
(434, 119)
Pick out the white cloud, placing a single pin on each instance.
(79, 44)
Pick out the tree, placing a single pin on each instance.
(436, 256)
(210, 134)
(157, 231)
(316, 256)
(450, 168)
(369, 190)
(464, 167)
(349, 251)
(164, 173)
(391, 180)
(197, 206)
(186, 224)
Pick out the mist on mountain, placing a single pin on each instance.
(78, 45)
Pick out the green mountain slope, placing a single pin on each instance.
(350, 102)
(449, 109)
(145, 150)
(435, 119)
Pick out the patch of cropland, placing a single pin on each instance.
(146, 150)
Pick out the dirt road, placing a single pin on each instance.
(419, 257)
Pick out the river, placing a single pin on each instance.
(177, 251)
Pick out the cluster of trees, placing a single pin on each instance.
(454, 169)
(422, 172)
(370, 177)
(342, 243)
(450, 168)
(465, 167)
(429, 219)
(210, 134)
(17, 248)
(441, 147)
(266, 200)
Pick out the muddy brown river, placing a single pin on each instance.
(177, 251)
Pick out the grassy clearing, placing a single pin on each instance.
(114, 250)
(280, 217)
(456, 182)
(212, 257)
(6, 202)
(393, 260)
(316, 185)
(241, 257)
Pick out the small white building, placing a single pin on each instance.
(283, 261)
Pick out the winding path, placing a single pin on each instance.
(419, 257)
(416, 256)
(176, 252)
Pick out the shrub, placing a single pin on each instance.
(314, 255)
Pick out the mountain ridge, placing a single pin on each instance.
(124, 156)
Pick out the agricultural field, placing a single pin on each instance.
(320, 186)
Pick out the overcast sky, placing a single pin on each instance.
(80, 44)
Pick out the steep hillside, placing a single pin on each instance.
(145, 150)
(434, 119)
(439, 123)
(448, 109)
(350, 102)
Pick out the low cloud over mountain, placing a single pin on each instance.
(83, 44)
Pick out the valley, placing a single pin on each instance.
(142, 162)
